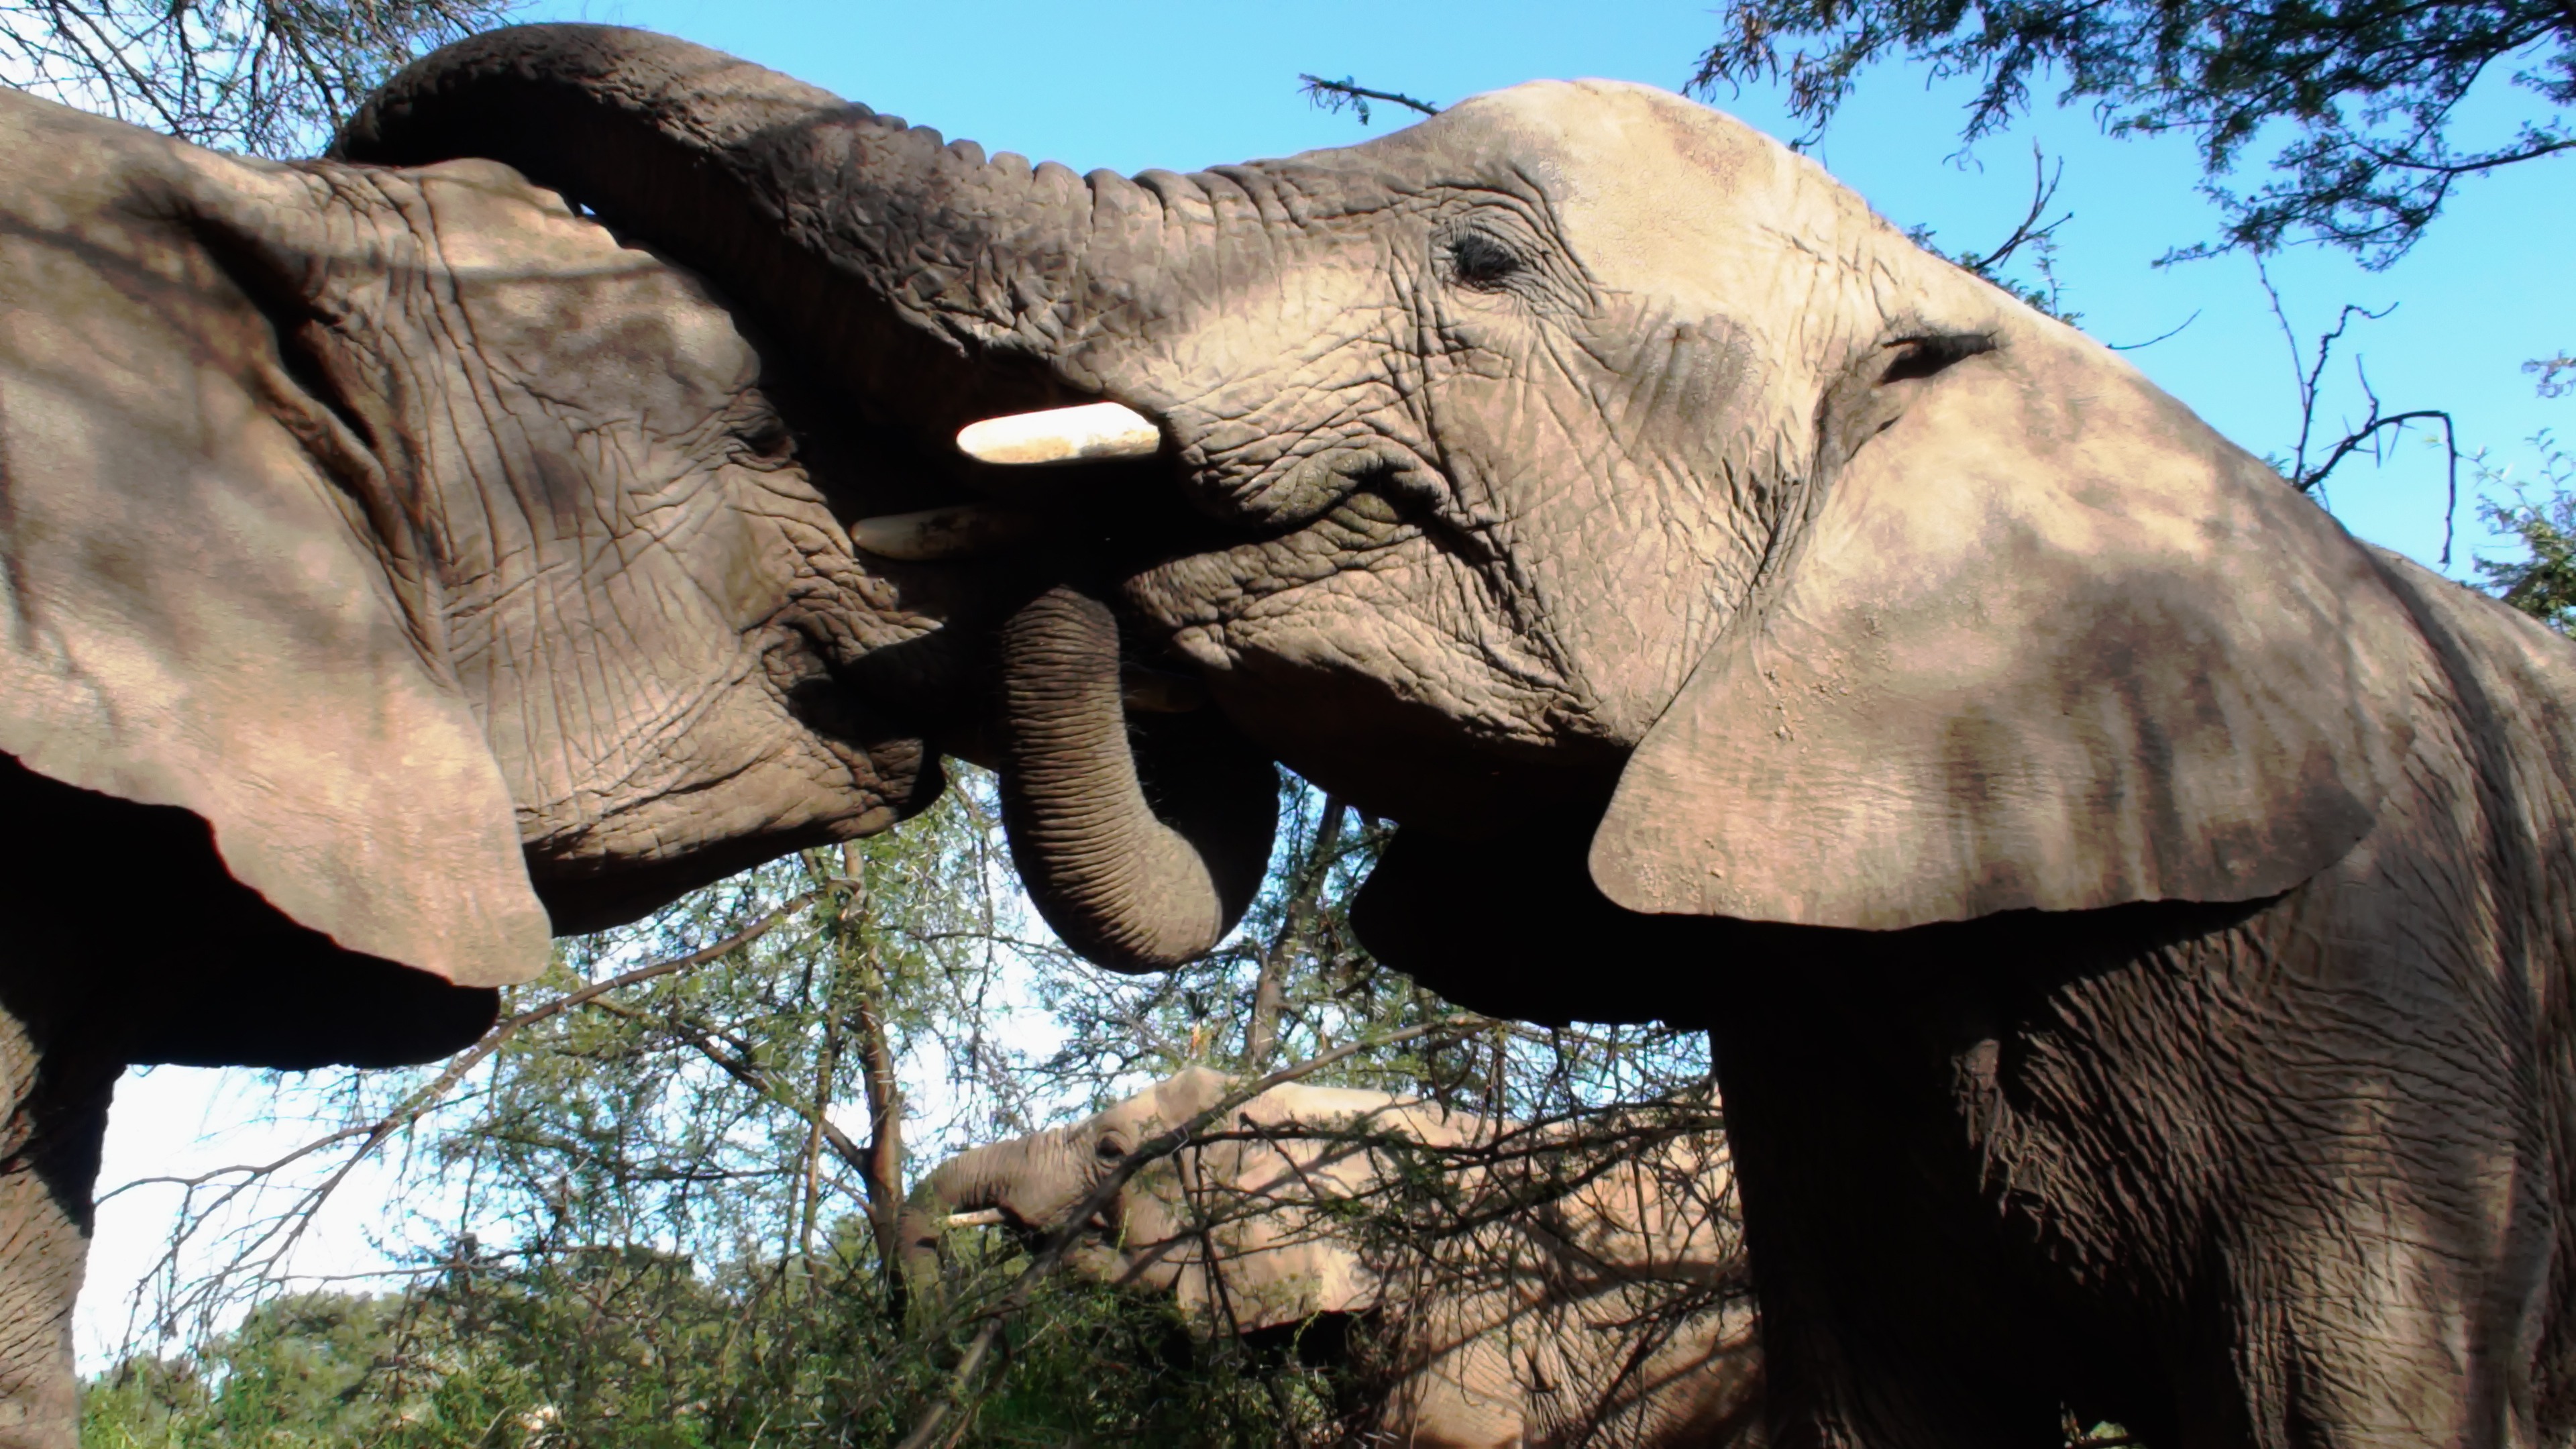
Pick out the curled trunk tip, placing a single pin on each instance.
(1143, 855)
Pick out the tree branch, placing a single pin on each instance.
(1060, 1240)
(1333, 96)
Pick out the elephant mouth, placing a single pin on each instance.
(1211, 551)
(1140, 820)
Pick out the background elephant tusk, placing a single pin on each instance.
(1091, 433)
(1152, 691)
(981, 1218)
(933, 534)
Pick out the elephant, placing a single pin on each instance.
(403, 567)
(1599, 1298)
(2131, 914)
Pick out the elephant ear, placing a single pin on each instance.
(2043, 640)
(189, 614)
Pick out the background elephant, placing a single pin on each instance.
(400, 568)
(1600, 1298)
(2132, 914)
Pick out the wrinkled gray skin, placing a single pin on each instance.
(1595, 1302)
(395, 560)
(402, 567)
(2132, 915)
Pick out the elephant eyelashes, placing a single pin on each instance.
(1923, 356)
(1480, 262)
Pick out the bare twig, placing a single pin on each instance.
(2039, 237)
(1336, 95)
(1060, 1240)
(270, 1246)
(2377, 427)
(2030, 232)
(1296, 923)
(2174, 331)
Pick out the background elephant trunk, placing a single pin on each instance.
(1130, 887)
(867, 246)
(978, 1178)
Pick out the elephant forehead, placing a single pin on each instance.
(1660, 195)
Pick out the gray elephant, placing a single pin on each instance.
(2133, 915)
(1598, 1299)
(401, 567)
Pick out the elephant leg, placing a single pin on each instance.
(1886, 1319)
(53, 1118)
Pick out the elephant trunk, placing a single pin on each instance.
(913, 272)
(978, 1178)
(1137, 871)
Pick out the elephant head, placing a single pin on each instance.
(1580, 478)
(1228, 1226)
(460, 571)
(1520, 1286)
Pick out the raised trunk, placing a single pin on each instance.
(935, 288)
(1132, 881)
(872, 248)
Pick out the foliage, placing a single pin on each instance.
(655, 1209)
(637, 1349)
(2543, 584)
(2032, 235)
(270, 77)
(2363, 90)
(1294, 983)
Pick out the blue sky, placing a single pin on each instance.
(1147, 83)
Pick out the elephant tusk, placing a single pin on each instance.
(1091, 433)
(934, 534)
(1151, 691)
(982, 1218)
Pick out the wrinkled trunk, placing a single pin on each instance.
(1135, 874)
(937, 288)
(873, 249)
(973, 1180)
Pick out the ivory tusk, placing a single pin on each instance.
(1151, 691)
(1090, 433)
(941, 533)
(982, 1218)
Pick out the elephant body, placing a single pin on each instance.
(2133, 915)
(398, 567)
(1597, 1298)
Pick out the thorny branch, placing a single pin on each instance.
(270, 1246)
(265, 76)
(1060, 1240)
(1333, 96)
(2377, 427)
(2038, 236)
(1296, 924)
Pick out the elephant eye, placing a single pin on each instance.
(1109, 1149)
(1481, 262)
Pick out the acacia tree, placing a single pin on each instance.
(656, 1200)
(270, 77)
(2367, 90)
